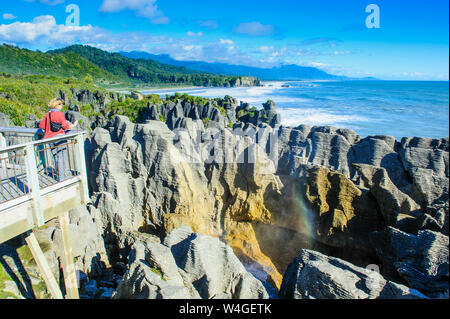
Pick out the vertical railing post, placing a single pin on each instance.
(80, 161)
(33, 184)
(3, 145)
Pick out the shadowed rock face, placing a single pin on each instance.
(329, 190)
(187, 265)
(317, 276)
(143, 182)
(421, 261)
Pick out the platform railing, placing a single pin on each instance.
(29, 168)
(15, 135)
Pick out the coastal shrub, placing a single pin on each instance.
(252, 111)
(87, 110)
(241, 113)
(21, 96)
(129, 108)
(17, 111)
(154, 99)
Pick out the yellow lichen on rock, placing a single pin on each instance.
(334, 196)
(242, 238)
(344, 214)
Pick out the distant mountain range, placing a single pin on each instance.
(143, 69)
(283, 73)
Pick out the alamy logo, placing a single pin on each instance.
(373, 20)
(240, 146)
(73, 19)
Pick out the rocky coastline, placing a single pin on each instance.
(218, 200)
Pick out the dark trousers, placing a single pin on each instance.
(59, 157)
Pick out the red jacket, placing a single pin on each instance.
(57, 117)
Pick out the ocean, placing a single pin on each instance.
(397, 108)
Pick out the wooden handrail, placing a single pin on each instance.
(19, 129)
(43, 141)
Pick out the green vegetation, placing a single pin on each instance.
(29, 269)
(21, 96)
(158, 272)
(3, 278)
(87, 110)
(251, 112)
(25, 62)
(241, 113)
(130, 108)
(178, 97)
(144, 71)
(93, 65)
(155, 99)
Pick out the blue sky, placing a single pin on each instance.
(411, 43)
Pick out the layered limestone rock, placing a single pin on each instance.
(218, 113)
(330, 190)
(143, 182)
(248, 81)
(392, 202)
(187, 265)
(370, 200)
(317, 276)
(98, 100)
(344, 214)
(407, 179)
(421, 261)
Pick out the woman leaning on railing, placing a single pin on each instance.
(54, 123)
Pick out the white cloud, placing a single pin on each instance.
(48, 2)
(223, 51)
(318, 65)
(193, 34)
(144, 8)
(255, 29)
(266, 49)
(305, 52)
(9, 16)
(226, 41)
(210, 24)
(44, 32)
(336, 52)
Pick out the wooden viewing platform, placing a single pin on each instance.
(32, 192)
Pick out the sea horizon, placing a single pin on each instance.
(369, 107)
